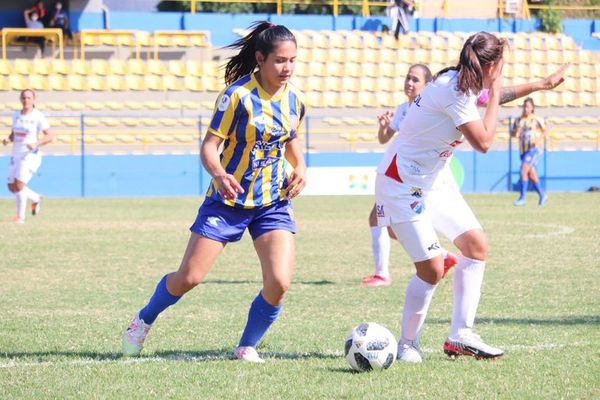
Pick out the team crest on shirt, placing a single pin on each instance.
(224, 103)
(417, 207)
(379, 210)
(277, 130)
(416, 192)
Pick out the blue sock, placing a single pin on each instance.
(538, 189)
(260, 318)
(524, 187)
(160, 300)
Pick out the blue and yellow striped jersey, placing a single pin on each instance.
(531, 131)
(256, 126)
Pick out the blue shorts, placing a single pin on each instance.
(531, 157)
(224, 223)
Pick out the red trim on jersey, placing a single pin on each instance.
(392, 171)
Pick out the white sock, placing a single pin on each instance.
(468, 278)
(380, 245)
(21, 203)
(31, 195)
(416, 304)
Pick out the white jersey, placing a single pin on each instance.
(399, 115)
(429, 132)
(26, 128)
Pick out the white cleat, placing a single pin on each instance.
(409, 352)
(248, 353)
(468, 343)
(133, 338)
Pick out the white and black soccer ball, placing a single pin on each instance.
(370, 346)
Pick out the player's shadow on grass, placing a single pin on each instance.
(573, 320)
(246, 281)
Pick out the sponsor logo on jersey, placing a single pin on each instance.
(260, 154)
(445, 154)
(379, 210)
(417, 207)
(455, 143)
(224, 103)
(416, 192)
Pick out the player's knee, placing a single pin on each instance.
(277, 287)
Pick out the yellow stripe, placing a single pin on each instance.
(267, 110)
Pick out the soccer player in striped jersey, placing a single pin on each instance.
(257, 119)
(30, 131)
(530, 130)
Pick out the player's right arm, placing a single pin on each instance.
(385, 133)
(550, 82)
(226, 183)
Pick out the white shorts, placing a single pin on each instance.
(22, 167)
(416, 215)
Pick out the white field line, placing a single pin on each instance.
(13, 363)
(553, 229)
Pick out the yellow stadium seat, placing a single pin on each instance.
(6, 121)
(167, 121)
(41, 66)
(16, 82)
(38, 82)
(76, 82)
(22, 66)
(171, 83)
(152, 105)
(56, 82)
(152, 82)
(155, 67)
(193, 83)
(56, 106)
(117, 67)
(368, 84)
(115, 105)
(319, 40)
(350, 84)
(210, 68)
(5, 68)
(136, 67)
(3, 86)
(194, 68)
(353, 69)
(367, 99)
(171, 105)
(130, 122)
(115, 82)
(354, 41)
(97, 83)
(72, 122)
(332, 83)
(190, 122)
(78, 67)
(109, 121)
(177, 68)
(149, 121)
(99, 67)
(133, 82)
(389, 42)
(588, 99)
(571, 99)
(314, 99)
(92, 122)
(94, 105)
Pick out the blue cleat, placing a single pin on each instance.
(543, 200)
(520, 203)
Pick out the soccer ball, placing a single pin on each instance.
(370, 346)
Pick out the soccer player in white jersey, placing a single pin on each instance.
(442, 117)
(30, 131)
(389, 123)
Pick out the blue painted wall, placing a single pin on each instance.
(182, 175)
(221, 25)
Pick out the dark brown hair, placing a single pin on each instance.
(263, 37)
(425, 70)
(530, 101)
(479, 50)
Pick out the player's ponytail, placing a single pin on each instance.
(262, 37)
(479, 50)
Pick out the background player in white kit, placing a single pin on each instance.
(30, 130)
(441, 118)
(389, 123)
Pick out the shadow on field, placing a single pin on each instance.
(572, 320)
(40, 355)
(242, 282)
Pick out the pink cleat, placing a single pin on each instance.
(376, 280)
(449, 262)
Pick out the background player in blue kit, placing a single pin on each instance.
(530, 130)
(257, 117)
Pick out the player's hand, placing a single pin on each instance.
(552, 81)
(228, 186)
(4, 142)
(384, 120)
(31, 146)
(297, 182)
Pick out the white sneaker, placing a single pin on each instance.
(468, 343)
(409, 352)
(248, 353)
(133, 338)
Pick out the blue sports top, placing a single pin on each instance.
(531, 131)
(256, 126)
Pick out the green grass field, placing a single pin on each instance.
(72, 278)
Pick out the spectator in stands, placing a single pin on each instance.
(38, 8)
(389, 123)
(32, 21)
(30, 131)
(60, 19)
(530, 130)
(399, 10)
(255, 122)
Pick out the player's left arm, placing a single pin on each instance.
(297, 180)
(45, 138)
(10, 139)
(511, 93)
